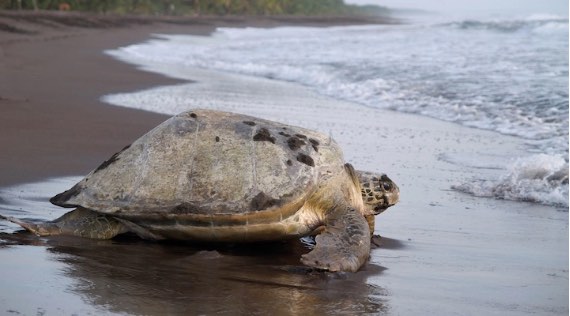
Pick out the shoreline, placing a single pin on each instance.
(442, 252)
(52, 118)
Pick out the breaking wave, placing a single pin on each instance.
(539, 178)
(538, 23)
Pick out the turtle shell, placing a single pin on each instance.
(209, 163)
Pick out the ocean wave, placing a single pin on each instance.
(515, 84)
(541, 23)
(539, 178)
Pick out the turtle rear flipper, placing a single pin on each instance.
(344, 245)
(41, 229)
(79, 222)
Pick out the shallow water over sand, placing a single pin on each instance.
(66, 275)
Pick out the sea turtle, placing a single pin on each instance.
(215, 176)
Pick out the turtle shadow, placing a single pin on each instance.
(381, 242)
(129, 275)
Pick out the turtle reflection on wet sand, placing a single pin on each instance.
(214, 176)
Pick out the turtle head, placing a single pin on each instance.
(378, 191)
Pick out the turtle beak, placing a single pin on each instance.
(392, 197)
(378, 210)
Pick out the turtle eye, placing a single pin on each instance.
(387, 186)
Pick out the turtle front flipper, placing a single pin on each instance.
(344, 245)
(79, 222)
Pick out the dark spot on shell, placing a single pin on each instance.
(374, 179)
(284, 134)
(289, 162)
(315, 144)
(262, 201)
(111, 160)
(368, 190)
(295, 143)
(366, 185)
(217, 138)
(263, 135)
(250, 123)
(63, 197)
(370, 199)
(370, 194)
(185, 208)
(301, 136)
(378, 197)
(306, 159)
(193, 115)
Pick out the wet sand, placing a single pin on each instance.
(441, 252)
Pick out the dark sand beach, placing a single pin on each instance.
(442, 252)
(53, 76)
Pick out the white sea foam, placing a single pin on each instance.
(539, 178)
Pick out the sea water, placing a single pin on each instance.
(508, 75)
